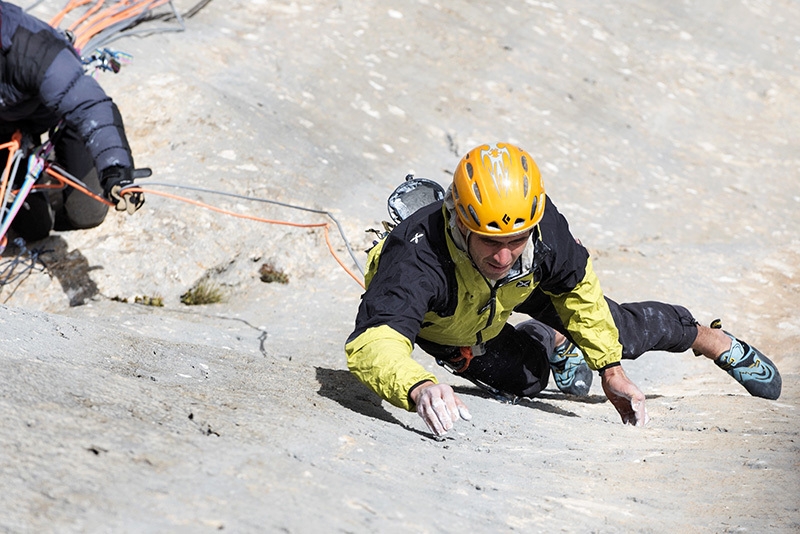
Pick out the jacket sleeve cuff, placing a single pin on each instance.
(609, 366)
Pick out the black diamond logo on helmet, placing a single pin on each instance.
(506, 218)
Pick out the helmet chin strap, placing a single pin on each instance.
(455, 223)
(463, 233)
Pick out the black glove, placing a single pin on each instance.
(114, 180)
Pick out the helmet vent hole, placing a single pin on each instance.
(474, 216)
(470, 170)
(525, 163)
(477, 192)
(493, 226)
(534, 206)
(524, 183)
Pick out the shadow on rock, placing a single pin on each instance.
(539, 402)
(341, 386)
(19, 262)
(71, 268)
(588, 399)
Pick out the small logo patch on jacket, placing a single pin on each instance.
(417, 237)
(524, 283)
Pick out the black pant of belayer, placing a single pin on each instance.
(516, 362)
(61, 209)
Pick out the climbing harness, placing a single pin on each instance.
(498, 395)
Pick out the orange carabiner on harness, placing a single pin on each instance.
(463, 359)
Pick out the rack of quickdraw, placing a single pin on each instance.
(12, 200)
(35, 162)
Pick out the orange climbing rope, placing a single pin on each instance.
(49, 169)
(324, 226)
(102, 16)
(56, 21)
(12, 147)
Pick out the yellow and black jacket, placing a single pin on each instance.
(420, 284)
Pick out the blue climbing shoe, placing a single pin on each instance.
(750, 368)
(570, 371)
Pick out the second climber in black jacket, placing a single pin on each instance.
(43, 89)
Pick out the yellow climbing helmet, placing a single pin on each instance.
(498, 190)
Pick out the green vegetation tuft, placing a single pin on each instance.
(150, 301)
(270, 274)
(204, 292)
